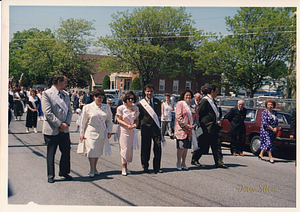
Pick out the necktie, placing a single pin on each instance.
(59, 94)
(150, 103)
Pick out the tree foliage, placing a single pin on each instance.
(257, 51)
(136, 84)
(106, 82)
(40, 54)
(153, 41)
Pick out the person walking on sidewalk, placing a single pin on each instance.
(57, 110)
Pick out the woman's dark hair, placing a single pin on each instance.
(182, 94)
(98, 92)
(272, 101)
(33, 90)
(18, 90)
(167, 95)
(127, 96)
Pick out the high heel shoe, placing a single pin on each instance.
(178, 166)
(91, 175)
(260, 158)
(124, 172)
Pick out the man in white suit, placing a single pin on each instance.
(57, 110)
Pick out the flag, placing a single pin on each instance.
(20, 81)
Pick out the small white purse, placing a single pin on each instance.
(198, 131)
(80, 147)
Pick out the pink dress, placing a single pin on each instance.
(126, 136)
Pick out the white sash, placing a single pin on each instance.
(151, 112)
(213, 107)
(153, 115)
(59, 101)
(97, 111)
(32, 100)
(107, 148)
(194, 139)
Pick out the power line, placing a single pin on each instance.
(178, 36)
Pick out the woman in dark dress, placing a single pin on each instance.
(32, 114)
(19, 100)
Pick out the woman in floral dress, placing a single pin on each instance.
(268, 129)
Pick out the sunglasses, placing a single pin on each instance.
(131, 99)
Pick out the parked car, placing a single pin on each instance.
(253, 122)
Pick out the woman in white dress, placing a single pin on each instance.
(166, 116)
(128, 118)
(96, 127)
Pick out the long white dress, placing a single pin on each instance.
(92, 130)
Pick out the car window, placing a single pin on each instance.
(283, 118)
(251, 115)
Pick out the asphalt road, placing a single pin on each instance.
(248, 182)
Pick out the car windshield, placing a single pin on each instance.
(250, 116)
(283, 118)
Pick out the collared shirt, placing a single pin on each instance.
(148, 100)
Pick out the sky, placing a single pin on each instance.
(209, 19)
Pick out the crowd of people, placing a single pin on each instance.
(197, 125)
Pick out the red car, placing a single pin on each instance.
(253, 122)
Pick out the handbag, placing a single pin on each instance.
(198, 131)
(80, 147)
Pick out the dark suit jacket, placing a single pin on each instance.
(207, 117)
(146, 122)
(293, 124)
(86, 99)
(236, 119)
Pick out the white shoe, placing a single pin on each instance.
(124, 173)
(128, 172)
(97, 173)
(91, 175)
(34, 130)
(178, 166)
(27, 130)
(185, 167)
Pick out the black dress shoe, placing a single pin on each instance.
(222, 166)
(50, 180)
(146, 170)
(67, 177)
(195, 163)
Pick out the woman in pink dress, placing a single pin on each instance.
(186, 118)
(128, 118)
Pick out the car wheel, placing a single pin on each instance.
(255, 145)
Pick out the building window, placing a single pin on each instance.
(188, 85)
(161, 85)
(175, 85)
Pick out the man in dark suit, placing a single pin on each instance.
(150, 129)
(87, 98)
(236, 117)
(57, 110)
(208, 118)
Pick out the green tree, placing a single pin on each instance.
(152, 41)
(77, 33)
(106, 81)
(256, 53)
(136, 84)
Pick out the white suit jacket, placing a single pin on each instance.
(54, 114)
(90, 126)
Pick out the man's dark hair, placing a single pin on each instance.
(182, 94)
(149, 86)
(204, 89)
(58, 77)
(211, 88)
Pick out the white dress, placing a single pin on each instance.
(92, 130)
